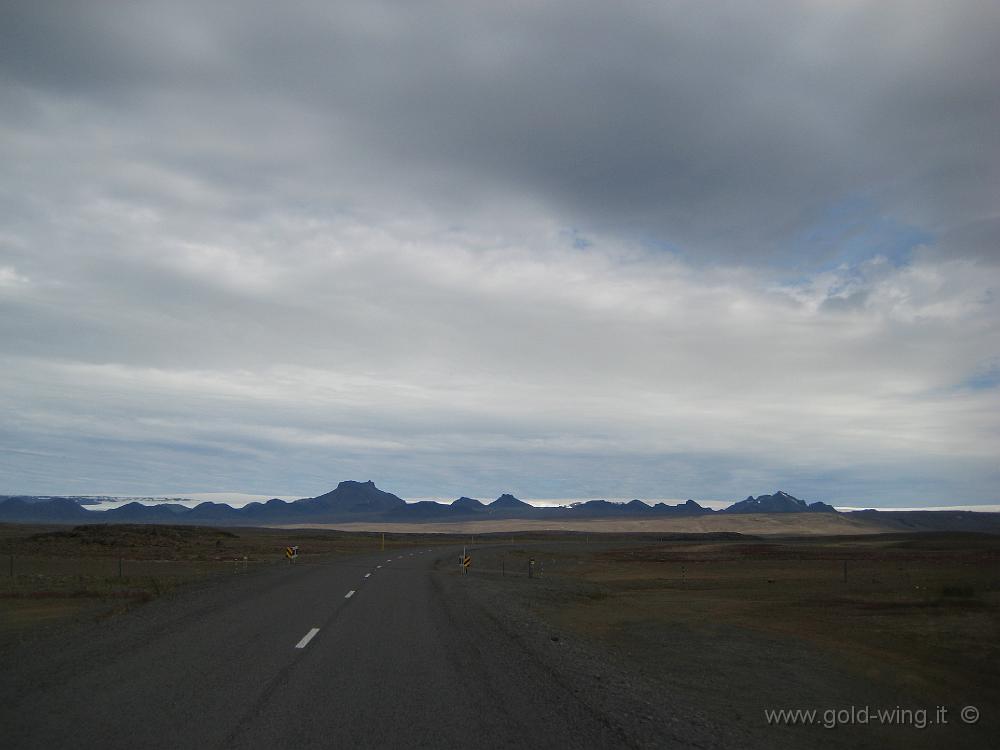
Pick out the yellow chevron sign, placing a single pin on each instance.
(466, 561)
(291, 552)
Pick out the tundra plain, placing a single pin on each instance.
(666, 636)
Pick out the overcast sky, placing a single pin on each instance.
(558, 249)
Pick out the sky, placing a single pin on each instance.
(564, 250)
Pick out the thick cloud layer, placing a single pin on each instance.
(564, 250)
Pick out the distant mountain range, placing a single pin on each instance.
(363, 501)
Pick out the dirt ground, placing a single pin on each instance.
(718, 632)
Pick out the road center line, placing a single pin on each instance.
(349, 594)
(308, 637)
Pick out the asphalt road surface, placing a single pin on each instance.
(371, 651)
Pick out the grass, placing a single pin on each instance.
(916, 612)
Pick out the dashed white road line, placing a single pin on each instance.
(368, 575)
(308, 637)
(349, 594)
(378, 566)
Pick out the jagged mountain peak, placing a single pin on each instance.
(779, 502)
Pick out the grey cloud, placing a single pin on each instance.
(719, 132)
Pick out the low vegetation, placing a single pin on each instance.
(741, 625)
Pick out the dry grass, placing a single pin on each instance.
(917, 613)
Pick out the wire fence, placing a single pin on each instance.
(913, 577)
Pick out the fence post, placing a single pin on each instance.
(120, 568)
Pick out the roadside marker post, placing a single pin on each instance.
(531, 567)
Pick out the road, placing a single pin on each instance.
(370, 651)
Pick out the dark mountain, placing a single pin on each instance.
(273, 509)
(352, 498)
(209, 511)
(593, 509)
(636, 506)
(688, 508)
(28, 499)
(57, 510)
(819, 507)
(509, 505)
(779, 502)
(137, 512)
(352, 501)
(469, 505)
(422, 509)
